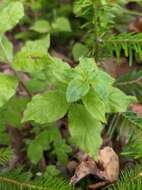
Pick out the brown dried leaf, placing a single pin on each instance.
(86, 167)
(136, 25)
(97, 185)
(116, 70)
(110, 163)
(71, 166)
(108, 170)
(137, 108)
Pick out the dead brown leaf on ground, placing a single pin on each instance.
(137, 108)
(106, 168)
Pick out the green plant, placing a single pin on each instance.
(129, 179)
(43, 141)
(42, 90)
(130, 83)
(76, 89)
(100, 17)
(5, 154)
(20, 180)
(85, 93)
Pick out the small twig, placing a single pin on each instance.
(95, 22)
(22, 83)
(135, 13)
(118, 41)
(129, 82)
(98, 185)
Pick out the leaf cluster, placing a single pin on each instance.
(84, 94)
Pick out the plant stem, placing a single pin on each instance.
(96, 25)
(129, 82)
(20, 184)
(113, 125)
(134, 13)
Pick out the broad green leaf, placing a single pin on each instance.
(33, 57)
(82, 76)
(37, 5)
(8, 86)
(95, 105)
(46, 108)
(79, 50)
(10, 15)
(36, 85)
(51, 170)
(102, 77)
(61, 24)
(40, 45)
(35, 153)
(118, 101)
(59, 70)
(61, 149)
(76, 89)
(11, 112)
(41, 26)
(85, 130)
(87, 67)
(37, 146)
(101, 82)
(43, 141)
(6, 50)
(30, 62)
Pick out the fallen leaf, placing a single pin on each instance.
(106, 168)
(116, 70)
(86, 167)
(137, 108)
(109, 160)
(136, 25)
(98, 185)
(71, 166)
